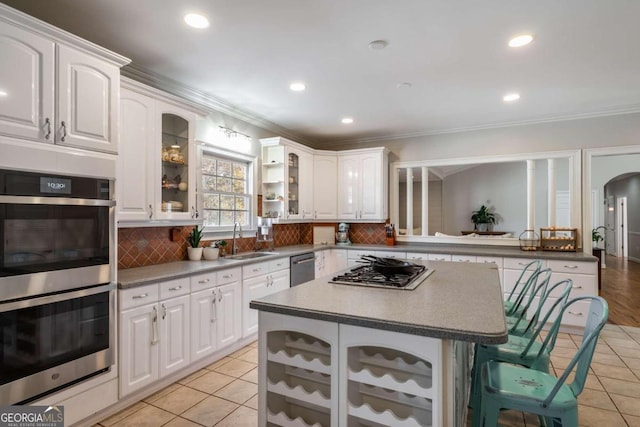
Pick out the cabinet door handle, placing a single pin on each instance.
(154, 327)
(164, 312)
(573, 267)
(176, 288)
(140, 296)
(203, 281)
(219, 295)
(194, 212)
(63, 128)
(214, 310)
(150, 211)
(316, 214)
(47, 123)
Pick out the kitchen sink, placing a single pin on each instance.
(250, 255)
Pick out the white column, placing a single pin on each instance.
(409, 201)
(425, 201)
(531, 194)
(551, 192)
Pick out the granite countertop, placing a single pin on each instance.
(457, 301)
(133, 277)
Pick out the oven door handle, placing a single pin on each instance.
(61, 201)
(32, 302)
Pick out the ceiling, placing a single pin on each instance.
(584, 60)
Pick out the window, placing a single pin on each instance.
(227, 191)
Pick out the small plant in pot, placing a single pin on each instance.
(211, 252)
(596, 235)
(194, 250)
(483, 219)
(222, 247)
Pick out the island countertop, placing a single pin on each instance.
(460, 301)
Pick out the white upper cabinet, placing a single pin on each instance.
(287, 179)
(26, 79)
(87, 102)
(57, 87)
(157, 161)
(135, 189)
(325, 186)
(362, 185)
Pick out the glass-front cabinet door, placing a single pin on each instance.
(293, 196)
(176, 182)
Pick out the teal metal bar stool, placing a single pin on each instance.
(507, 386)
(519, 324)
(531, 352)
(513, 303)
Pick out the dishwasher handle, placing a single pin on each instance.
(303, 261)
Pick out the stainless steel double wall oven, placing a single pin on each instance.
(57, 294)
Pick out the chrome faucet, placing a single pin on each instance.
(239, 227)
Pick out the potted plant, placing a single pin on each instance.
(193, 250)
(211, 252)
(596, 236)
(222, 247)
(483, 219)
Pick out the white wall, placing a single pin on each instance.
(607, 131)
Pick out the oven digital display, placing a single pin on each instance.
(51, 185)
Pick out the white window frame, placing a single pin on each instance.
(210, 232)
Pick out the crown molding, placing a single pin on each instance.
(617, 111)
(206, 101)
(16, 17)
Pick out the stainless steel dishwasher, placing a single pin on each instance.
(302, 268)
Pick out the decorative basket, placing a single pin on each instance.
(529, 240)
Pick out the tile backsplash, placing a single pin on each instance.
(138, 247)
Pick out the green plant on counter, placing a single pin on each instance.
(220, 243)
(194, 237)
(596, 236)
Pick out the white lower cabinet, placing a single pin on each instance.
(139, 364)
(164, 327)
(216, 319)
(174, 334)
(258, 281)
(154, 333)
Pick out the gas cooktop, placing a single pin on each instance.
(366, 275)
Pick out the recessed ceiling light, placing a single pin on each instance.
(404, 85)
(521, 40)
(196, 20)
(511, 97)
(347, 120)
(3, 93)
(378, 44)
(297, 87)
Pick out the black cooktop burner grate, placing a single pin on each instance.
(367, 276)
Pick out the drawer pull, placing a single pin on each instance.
(176, 288)
(255, 270)
(573, 267)
(490, 262)
(140, 296)
(227, 276)
(575, 313)
(203, 281)
(463, 260)
(523, 263)
(416, 257)
(438, 259)
(577, 287)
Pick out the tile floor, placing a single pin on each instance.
(224, 393)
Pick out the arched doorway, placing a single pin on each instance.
(612, 190)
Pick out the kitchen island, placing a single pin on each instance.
(342, 355)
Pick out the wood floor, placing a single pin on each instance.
(621, 289)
